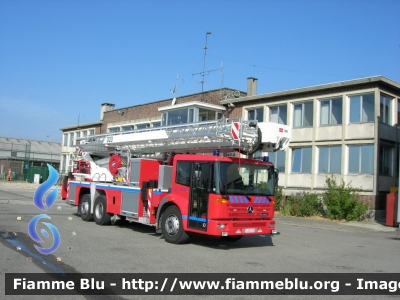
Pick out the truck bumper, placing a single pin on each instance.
(240, 227)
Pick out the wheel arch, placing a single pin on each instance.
(164, 204)
(83, 191)
(93, 196)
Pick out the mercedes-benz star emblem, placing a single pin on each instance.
(250, 209)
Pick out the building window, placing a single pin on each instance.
(71, 139)
(63, 164)
(84, 133)
(78, 134)
(113, 129)
(128, 128)
(156, 124)
(386, 160)
(301, 160)
(362, 108)
(361, 159)
(278, 159)
(91, 132)
(278, 114)
(303, 114)
(329, 160)
(386, 110)
(204, 115)
(143, 126)
(176, 117)
(256, 114)
(398, 113)
(331, 111)
(65, 141)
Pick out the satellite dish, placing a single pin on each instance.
(173, 101)
(236, 94)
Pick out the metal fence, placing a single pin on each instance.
(19, 158)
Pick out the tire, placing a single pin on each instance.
(231, 238)
(100, 215)
(172, 227)
(84, 208)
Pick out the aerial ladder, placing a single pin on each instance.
(105, 157)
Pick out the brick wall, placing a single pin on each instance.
(368, 199)
(149, 111)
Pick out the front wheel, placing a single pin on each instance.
(172, 227)
(100, 215)
(84, 208)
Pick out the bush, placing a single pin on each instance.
(341, 201)
(278, 198)
(305, 205)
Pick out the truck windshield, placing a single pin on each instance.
(248, 179)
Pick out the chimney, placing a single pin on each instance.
(105, 107)
(251, 86)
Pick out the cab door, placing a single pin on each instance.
(201, 184)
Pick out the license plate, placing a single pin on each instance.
(249, 230)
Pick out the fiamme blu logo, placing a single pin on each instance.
(44, 205)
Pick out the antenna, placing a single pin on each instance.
(175, 89)
(204, 67)
(221, 76)
(79, 116)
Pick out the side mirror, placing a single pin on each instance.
(197, 174)
(276, 172)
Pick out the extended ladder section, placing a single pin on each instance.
(107, 157)
(226, 135)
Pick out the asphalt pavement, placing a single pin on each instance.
(318, 222)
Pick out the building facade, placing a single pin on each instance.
(69, 136)
(348, 130)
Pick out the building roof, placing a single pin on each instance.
(316, 88)
(180, 97)
(16, 144)
(193, 103)
(81, 126)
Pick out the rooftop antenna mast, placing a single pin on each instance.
(204, 67)
(204, 64)
(175, 89)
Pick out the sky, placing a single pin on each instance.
(60, 60)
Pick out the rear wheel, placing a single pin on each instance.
(231, 238)
(84, 208)
(172, 227)
(100, 215)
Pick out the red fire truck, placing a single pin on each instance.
(161, 177)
